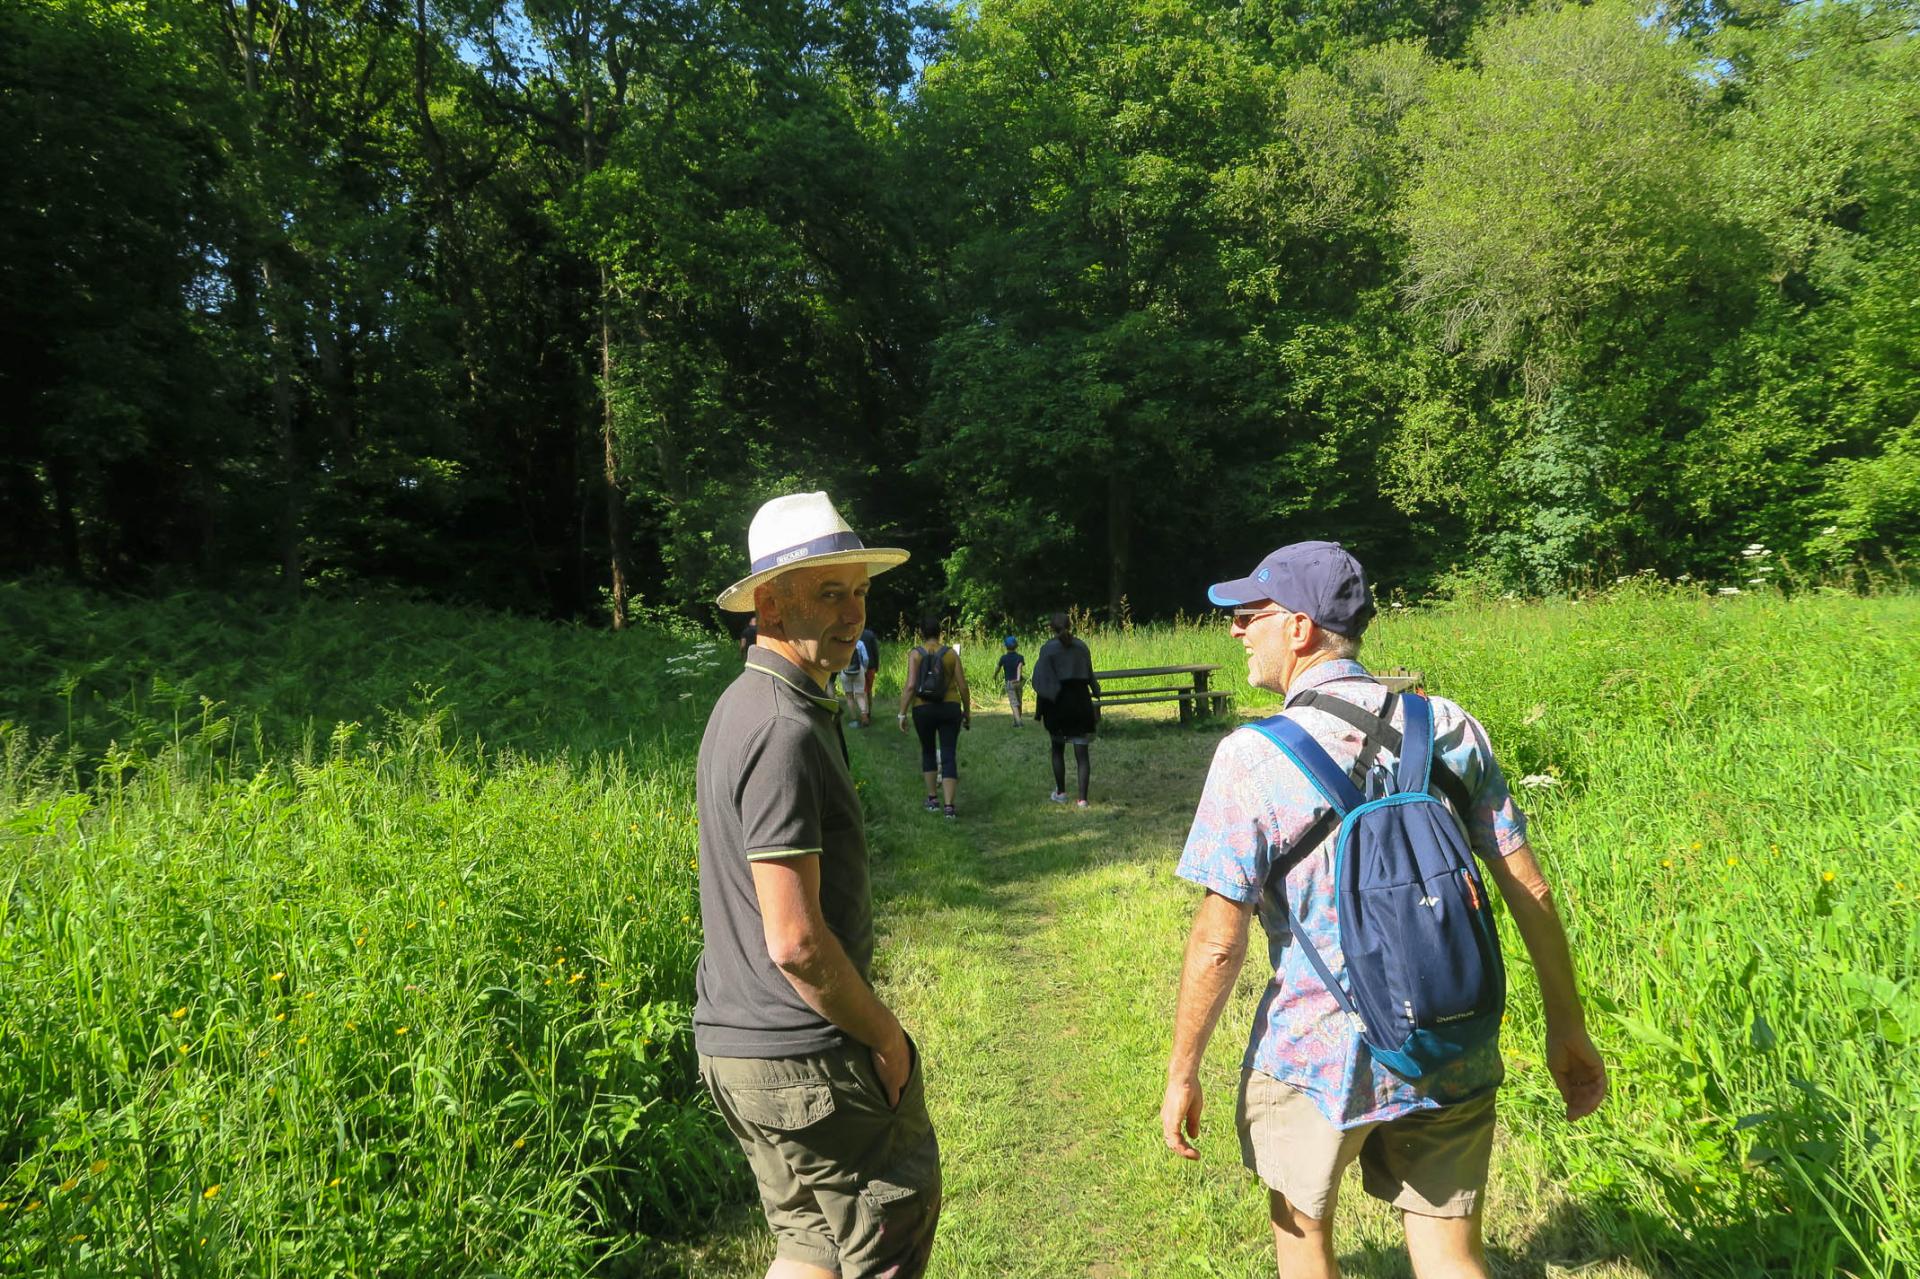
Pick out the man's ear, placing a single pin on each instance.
(1306, 638)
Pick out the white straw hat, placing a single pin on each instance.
(798, 531)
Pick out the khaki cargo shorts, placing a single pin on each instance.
(1432, 1163)
(848, 1183)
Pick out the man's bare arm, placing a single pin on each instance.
(816, 964)
(1571, 1056)
(1216, 950)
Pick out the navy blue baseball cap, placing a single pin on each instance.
(1316, 578)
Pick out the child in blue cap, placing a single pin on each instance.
(1013, 665)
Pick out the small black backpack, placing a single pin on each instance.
(932, 684)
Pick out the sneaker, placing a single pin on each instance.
(1080, 803)
(933, 805)
(949, 811)
(1058, 797)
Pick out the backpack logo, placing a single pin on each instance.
(1424, 981)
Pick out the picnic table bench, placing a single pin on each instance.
(1186, 685)
(1194, 694)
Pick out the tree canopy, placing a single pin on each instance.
(530, 303)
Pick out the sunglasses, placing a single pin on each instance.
(1243, 616)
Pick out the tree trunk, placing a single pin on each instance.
(287, 521)
(1119, 542)
(610, 478)
(60, 479)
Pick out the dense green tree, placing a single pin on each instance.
(112, 432)
(531, 302)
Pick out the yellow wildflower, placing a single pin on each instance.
(1733, 861)
(1826, 877)
(279, 1016)
(76, 1238)
(1696, 847)
(401, 1031)
(333, 1183)
(178, 1013)
(97, 1167)
(301, 1040)
(183, 1048)
(352, 1026)
(1667, 862)
(70, 1183)
(210, 1191)
(519, 1143)
(32, 1204)
(279, 976)
(576, 977)
(5, 1204)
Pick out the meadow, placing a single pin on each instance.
(410, 995)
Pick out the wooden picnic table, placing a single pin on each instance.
(1187, 685)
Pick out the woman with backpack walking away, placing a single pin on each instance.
(1063, 693)
(936, 690)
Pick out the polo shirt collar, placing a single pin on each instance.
(1327, 673)
(767, 662)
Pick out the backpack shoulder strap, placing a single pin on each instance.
(1297, 744)
(1416, 759)
(1374, 727)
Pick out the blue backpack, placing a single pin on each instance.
(1424, 976)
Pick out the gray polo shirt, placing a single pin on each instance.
(773, 782)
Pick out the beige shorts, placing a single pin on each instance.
(847, 1182)
(1432, 1163)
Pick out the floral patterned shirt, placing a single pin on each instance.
(1255, 808)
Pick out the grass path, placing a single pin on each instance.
(1033, 951)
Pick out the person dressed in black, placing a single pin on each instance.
(936, 689)
(1063, 693)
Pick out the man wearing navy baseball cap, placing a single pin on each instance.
(1313, 1098)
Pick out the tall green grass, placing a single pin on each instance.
(411, 995)
(286, 997)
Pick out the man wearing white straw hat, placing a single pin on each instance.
(811, 1071)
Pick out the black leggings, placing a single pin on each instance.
(943, 718)
(1081, 763)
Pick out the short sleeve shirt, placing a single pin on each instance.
(1011, 664)
(773, 782)
(1254, 810)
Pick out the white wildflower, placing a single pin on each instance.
(1829, 530)
(1756, 581)
(1534, 781)
(1753, 551)
(685, 696)
(1730, 590)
